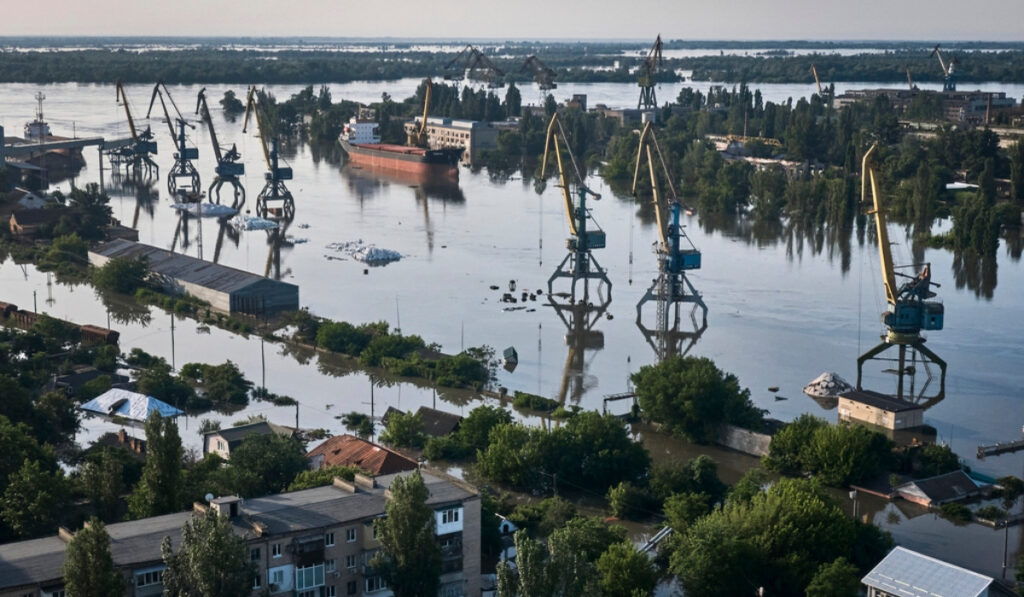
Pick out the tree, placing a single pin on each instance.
(837, 454)
(122, 274)
(410, 557)
(323, 476)
(625, 571)
(404, 430)
(34, 499)
(264, 464)
(102, 481)
(159, 490)
(88, 568)
(513, 101)
(1017, 172)
(212, 561)
(532, 578)
(692, 397)
(358, 423)
(839, 578)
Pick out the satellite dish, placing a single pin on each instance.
(209, 497)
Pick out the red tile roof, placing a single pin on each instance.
(348, 450)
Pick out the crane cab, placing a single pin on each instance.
(684, 260)
(230, 169)
(189, 153)
(278, 174)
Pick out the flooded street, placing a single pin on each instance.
(782, 308)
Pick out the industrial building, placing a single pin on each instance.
(958, 106)
(471, 135)
(225, 288)
(887, 412)
(314, 542)
(906, 573)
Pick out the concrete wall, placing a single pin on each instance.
(851, 410)
(744, 440)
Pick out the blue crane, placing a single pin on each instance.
(229, 166)
(274, 190)
(182, 170)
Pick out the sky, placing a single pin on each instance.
(942, 20)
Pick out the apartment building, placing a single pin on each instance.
(471, 135)
(310, 543)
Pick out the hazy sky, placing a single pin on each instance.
(515, 19)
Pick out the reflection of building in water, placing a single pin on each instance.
(579, 318)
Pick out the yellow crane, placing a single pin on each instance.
(909, 309)
(645, 77)
(910, 82)
(419, 138)
(948, 70)
(274, 190)
(579, 263)
(817, 81)
(672, 287)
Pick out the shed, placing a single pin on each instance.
(25, 222)
(879, 409)
(129, 405)
(906, 573)
(227, 289)
(223, 441)
(348, 450)
(939, 490)
(437, 423)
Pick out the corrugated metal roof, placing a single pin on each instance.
(348, 450)
(183, 267)
(942, 488)
(130, 405)
(233, 434)
(906, 572)
(882, 401)
(437, 423)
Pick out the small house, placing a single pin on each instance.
(906, 573)
(129, 405)
(437, 423)
(878, 409)
(348, 450)
(27, 222)
(223, 441)
(939, 490)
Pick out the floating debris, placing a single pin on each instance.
(368, 254)
(298, 241)
(209, 210)
(303, 226)
(241, 222)
(773, 389)
(827, 385)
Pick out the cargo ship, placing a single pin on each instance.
(361, 141)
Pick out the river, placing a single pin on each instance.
(783, 307)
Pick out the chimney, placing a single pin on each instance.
(65, 534)
(344, 485)
(365, 481)
(121, 435)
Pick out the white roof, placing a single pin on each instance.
(130, 405)
(906, 572)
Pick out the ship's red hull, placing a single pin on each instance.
(415, 160)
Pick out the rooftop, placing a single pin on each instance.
(437, 423)
(182, 267)
(233, 434)
(906, 572)
(348, 450)
(882, 401)
(942, 488)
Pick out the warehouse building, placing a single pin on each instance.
(471, 135)
(227, 289)
(887, 412)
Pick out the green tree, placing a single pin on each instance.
(839, 578)
(212, 560)
(625, 571)
(513, 101)
(34, 499)
(358, 423)
(410, 557)
(404, 430)
(1017, 172)
(102, 482)
(121, 274)
(88, 568)
(159, 490)
(264, 464)
(692, 397)
(323, 476)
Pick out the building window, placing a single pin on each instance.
(330, 566)
(307, 594)
(328, 539)
(221, 445)
(350, 535)
(276, 550)
(256, 581)
(254, 554)
(450, 515)
(375, 583)
(352, 587)
(149, 578)
(350, 562)
(331, 591)
(277, 577)
(309, 577)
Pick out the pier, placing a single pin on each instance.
(1000, 448)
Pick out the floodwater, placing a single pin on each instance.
(784, 306)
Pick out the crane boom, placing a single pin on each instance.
(937, 52)
(910, 82)
(419, 138)
(884, 248)
(645, 79)
(204, 112)
(647, 139)
(817, 81)
(251, 107)
(121, 97)
(167, 115)
(552, 139)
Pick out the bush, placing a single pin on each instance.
(956, 512)
(629, 501)
(837, 454)
(322, 477)
(404, 430)
(525, 400)
(990, 512)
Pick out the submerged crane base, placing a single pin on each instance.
(275, 192)
(669, 290)
(580, 265)
(903, 369)
(239, 191)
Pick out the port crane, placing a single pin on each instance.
(817, 81)
(645, 79)
(472, 63)
(909, 309)
(274, 191)
(142, 145)
(182, 170)
(229, 164)
(544, 76)
(579, 263)
(419, 138)
(948, 69)
(676, 256)
(910, 81)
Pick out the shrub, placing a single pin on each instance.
(122, 274)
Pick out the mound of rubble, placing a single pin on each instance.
(827, 385)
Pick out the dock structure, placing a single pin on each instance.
(1000, 448)
(226, 289)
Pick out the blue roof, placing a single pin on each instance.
(129, 405)
(906, 572)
